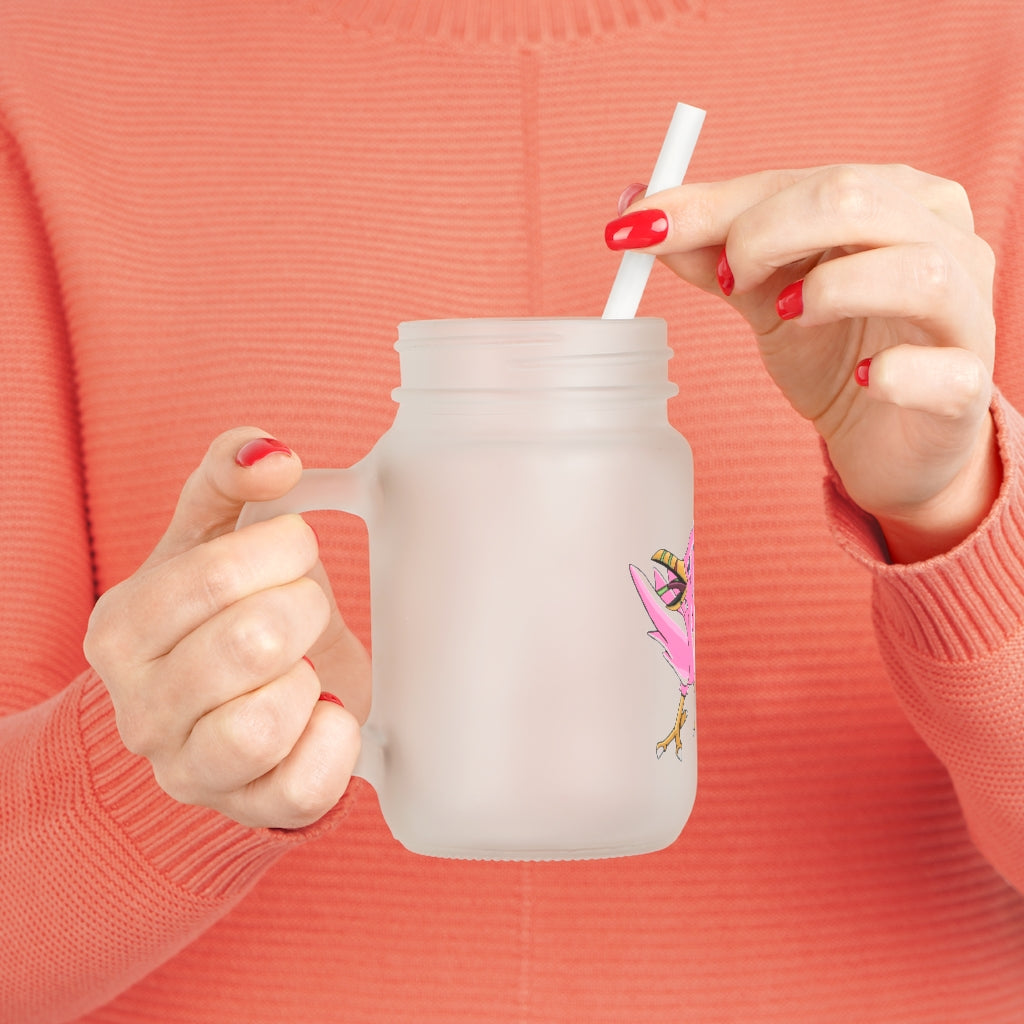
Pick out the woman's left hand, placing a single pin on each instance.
(870, 297)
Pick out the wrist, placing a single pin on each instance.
(950, 517)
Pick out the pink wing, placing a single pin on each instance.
(672, 629)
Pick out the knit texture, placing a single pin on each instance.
(215, 214)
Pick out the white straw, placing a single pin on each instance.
(674, 158)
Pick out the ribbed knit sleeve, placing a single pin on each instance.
(102, 876)
(951, 630)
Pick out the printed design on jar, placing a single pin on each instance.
(669, 604)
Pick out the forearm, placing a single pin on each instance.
(105, 875)
(951, 630)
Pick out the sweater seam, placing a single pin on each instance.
(13, 152)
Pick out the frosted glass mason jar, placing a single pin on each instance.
(530, 520)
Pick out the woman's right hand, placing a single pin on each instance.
(203, 650)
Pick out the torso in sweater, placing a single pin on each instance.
(241, 202)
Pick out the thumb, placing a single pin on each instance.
(241, 465)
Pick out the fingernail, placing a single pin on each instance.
(331, 698)
(637, 230)
(861, 373)
(252, 451)
(724, 274)
(790, 303)
(628, 195)
(309, 663)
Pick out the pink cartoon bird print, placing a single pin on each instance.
(669, 604)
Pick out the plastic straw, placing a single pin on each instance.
(674, 158)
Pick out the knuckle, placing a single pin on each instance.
(958, 385)
(221, 581)
(136, 734)
(828, 292)
(778, 180)
(954, 196)
(96, 642)
(848, 194)
(950, 201)
(931, 271)
(903, 173)
(315, 604)
(310, 795)
(264, 634)
(700, 216)
(753, 246)
(293, 535)
(254, 641)
(326, 770)
(104, 642)
(985, 257)
(143, 730)
(178, 783)
(254, 733)
(971, 382)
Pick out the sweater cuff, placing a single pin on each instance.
(962, 604)
(194, 848)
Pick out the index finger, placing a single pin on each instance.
(700, 214)
(171, 599)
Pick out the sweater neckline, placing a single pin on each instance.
(522, 22)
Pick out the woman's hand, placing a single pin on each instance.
(203, 650)
(871, 300)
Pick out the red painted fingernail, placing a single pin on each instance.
(861, 373)
(331, 698)
(724, 274)
(637, 230)
(629, 195)
(790, 303)
(252, 451)
(309, 663)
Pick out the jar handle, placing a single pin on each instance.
(341, 490)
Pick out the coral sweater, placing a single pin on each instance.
(214, 213)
